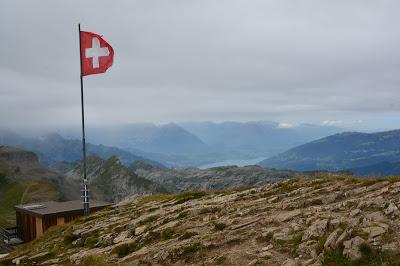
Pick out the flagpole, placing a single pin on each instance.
(85, 196)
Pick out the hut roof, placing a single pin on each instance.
(53, 207)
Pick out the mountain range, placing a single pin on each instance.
(24, 179)
(363, 153)
(53, 148)
(256, 139)
(196, 144)
(109, 180)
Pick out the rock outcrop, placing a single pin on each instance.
(285, 223)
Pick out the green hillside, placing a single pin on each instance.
(17, 187)
(14, 193)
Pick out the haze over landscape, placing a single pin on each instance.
(226, 132)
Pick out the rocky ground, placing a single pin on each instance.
(216, 178)
(330, 220)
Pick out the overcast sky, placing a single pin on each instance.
(326, 62)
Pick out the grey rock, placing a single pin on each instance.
(330, 243)
(391, 209)
(352, 248)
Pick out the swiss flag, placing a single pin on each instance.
(96, 54)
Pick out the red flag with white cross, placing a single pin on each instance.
(96, 54)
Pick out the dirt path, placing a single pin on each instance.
(24, 194)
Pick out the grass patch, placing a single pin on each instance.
(184, 197)
(335, 259)
(287, 186)
(219, 226)
(91, 241)
(149, 219)
(125, 249)
(69, 237)
(151, 237)
(296, 240)
(187, 235)
(370, 257)
(265, 238)
(213, 209)
(361, 234)
(389, 235)
(168, 233)
(192, 248)
(320, 244)
(153, 209)
(392, 179)
(97, 260)
(155, 197)
(221, 260)
(183, 214)
(51, 234)
(13, 193)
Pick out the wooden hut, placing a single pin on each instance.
(35, 219)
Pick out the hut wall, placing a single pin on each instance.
(26, 225)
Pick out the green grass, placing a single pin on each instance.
(370, 257)
(97, 260)
(192, 248)
(13, 193)
(219, 226)
(155, 197)
(212, 209)
(168, 233)
(296, 240)
(10, 195)
(52, 234)
(149, 219)
(91, 242)
(69, 237)
(187, 235)
(184, 197)
(125, 249)
(221, 260)
(320, 244)
(362, 234)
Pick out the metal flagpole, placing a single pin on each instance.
(85, 196)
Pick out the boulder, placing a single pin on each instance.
(39, 255)
(374, 231)
(352, 248)
(345, 235)
(307, 249)
(265, 254)
(137, 254)
(121, 237)
(334, 223)
(285, 216)
(355, 212)
(330, 243)
(19, 260)
(391, 209)
(140, 230)
(289, 262)
(316, 229)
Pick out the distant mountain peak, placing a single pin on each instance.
(340, 151)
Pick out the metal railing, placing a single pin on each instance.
(8, 233)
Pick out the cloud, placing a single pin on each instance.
(340, 122)
(201, 60)
(286, 125)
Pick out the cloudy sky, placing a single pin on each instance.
(325, 62)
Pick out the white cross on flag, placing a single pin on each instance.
(96, 54)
